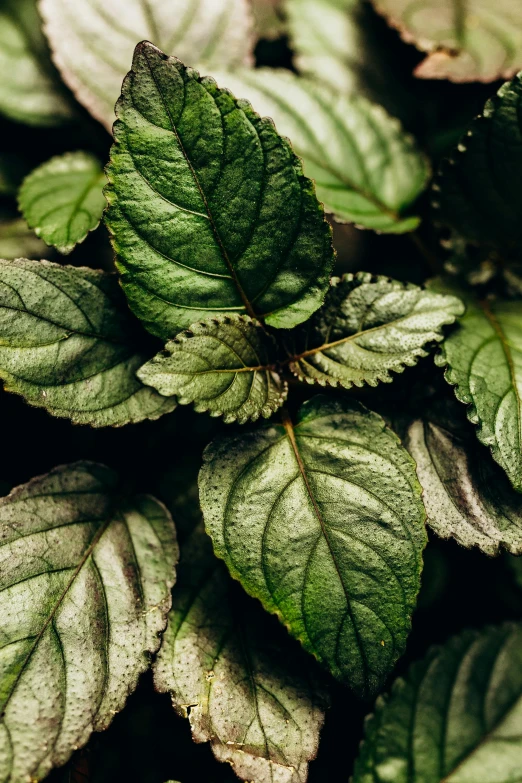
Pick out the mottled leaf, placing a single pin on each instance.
(323, 522)
(85, 578)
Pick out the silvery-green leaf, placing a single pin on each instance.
(85, 578)
(17, 240)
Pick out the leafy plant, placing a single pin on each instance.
(246, 234)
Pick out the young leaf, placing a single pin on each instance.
(454, 717)
(367, 170)
(92, 49)
(367, 327)
(28, 90)
(237, 676)
(474, 42)
(63, 199)
(484, 359)
(201, 229)
(477, 189)
(17, 240)
(85, 584)
(323, 522)
(224, 365)
(68, 344)
(467, 496)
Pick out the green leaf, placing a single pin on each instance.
(68, 344)
(62, 200)
(368, 327)
(367, 170)
(224, 366)
(268, 18)
(454, 717)
(484, 362)
(85, 584)
(17, 240)
(475, 41)
(477, 189)
(201, 229)
(467, 496)
(323, 522)
(92, 49)
(238, 677)
(29, 91)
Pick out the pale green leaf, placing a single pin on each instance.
(199, 228)
(238, 677)
(368, 327)
(92, 42)
(475, 41)
(268, 18)
(85, 578)
(323, 522)
(69, 344)
(28, 88)
(366, 169)
(224, 366)
(454, 718)
(17, 240)
(62, 200)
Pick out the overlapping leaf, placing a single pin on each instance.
(207, 228)
(63, 199)
(85, 582)
(69, 344)
(224, 365)
(93, 47)
(237, 676)
(367, 170)
(323, 522)
(454, 718)
(17, 240)
(368, 327)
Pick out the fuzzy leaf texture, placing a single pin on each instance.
(62, 200)
(224, 366)
(204, 228)
(93, 46)
(484, 363)
(475, 41)
(366, 169)
(324, 523)
(69, 344)
(476, 191)
(254, 696)
(368, 327)
(85, 591)
(454, 718)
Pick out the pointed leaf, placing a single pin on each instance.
(224, 366)
(323, 522)
(238, 677)
(92, 48)
(63, 199)
(368, 327)
(454, 718)
(18, 240)
(367, 170)
(476, 41)
(228, 225)
(85, 582)
(68, 344)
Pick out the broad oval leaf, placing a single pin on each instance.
(484, 362)
(454, 718)
(477, 191)
(368, 327)
(199, 228)
(323, 522)
(93, 46)
(237, 676)
(85, 578)
(366, 169)
(225, 366)
(69, 344)
(62, 200)
(477, 41)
